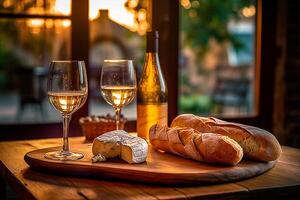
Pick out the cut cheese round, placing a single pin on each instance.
(119, 143)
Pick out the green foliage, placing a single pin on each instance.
(184, 79)
(196, 104)
(209, 19)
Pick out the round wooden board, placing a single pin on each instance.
(160, 168)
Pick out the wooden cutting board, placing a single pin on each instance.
(160, 168)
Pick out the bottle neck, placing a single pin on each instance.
(152, 45)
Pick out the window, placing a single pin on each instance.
(165, 18)
(32, 34)
(27, 45)
(35, 32)
(217, 57)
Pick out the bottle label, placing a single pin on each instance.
(148, 115)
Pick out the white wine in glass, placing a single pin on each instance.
(67, 102)
(67, 91)
(118, 96)
(118, 84)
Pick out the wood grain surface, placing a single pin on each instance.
(168, 169)
(281, 182)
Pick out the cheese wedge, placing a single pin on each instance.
(119, 143)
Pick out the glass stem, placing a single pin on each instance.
(118, 111)
(66, 121)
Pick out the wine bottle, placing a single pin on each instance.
(152, 104)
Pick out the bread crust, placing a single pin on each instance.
(189, 143)
(257, 144)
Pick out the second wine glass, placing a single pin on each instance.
(118, 84)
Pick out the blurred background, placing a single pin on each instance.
(27, 46)
(117, 28)
(217, 57)
(228, 62)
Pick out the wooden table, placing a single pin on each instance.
(283, 181)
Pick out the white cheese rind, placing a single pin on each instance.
(132, 149)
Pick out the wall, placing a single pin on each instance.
(287, 79)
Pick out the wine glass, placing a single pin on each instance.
(67, 89)
(118, 84)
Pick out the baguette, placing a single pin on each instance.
(257, 144)
(189, 143)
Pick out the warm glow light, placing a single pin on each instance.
(117, 98)
(35, 25)
(133, 3)
(142, 14)
(35, 22)
(186, 4)
(49, 23)
(66, 23)
(249, 11)
(64, 104)
(63, 7)
(7, 3)
(117, 12)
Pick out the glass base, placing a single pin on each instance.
(63, 155)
